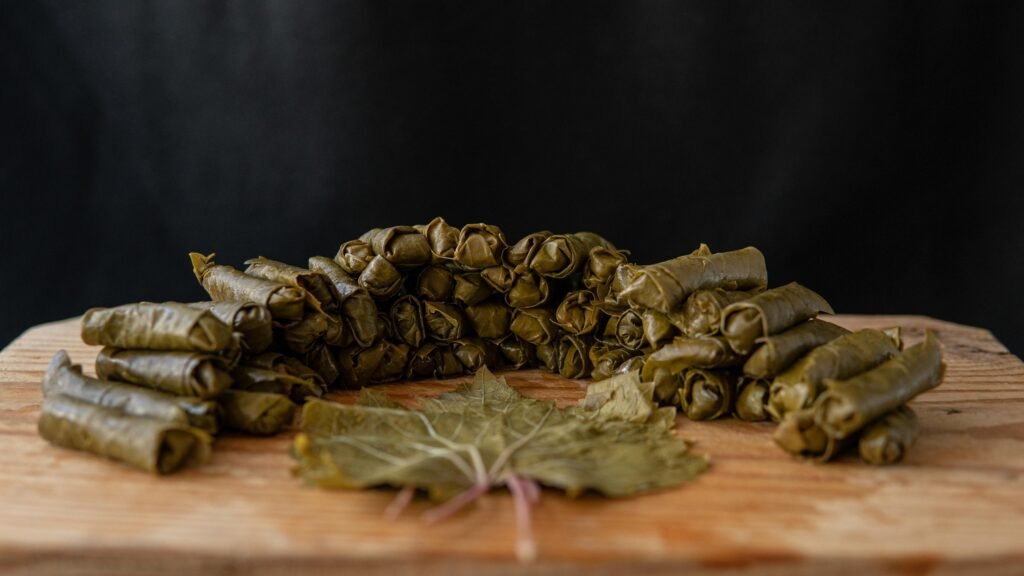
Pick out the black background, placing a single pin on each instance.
(874, 152)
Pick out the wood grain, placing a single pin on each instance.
(956, 505)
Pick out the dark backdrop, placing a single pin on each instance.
(874, 151)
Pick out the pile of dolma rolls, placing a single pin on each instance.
(435, 301)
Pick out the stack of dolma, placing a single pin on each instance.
(435, 301)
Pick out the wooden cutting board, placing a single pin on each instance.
(956, 505)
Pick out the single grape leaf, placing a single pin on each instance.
(462, 443)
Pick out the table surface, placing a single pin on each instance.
(956, 505)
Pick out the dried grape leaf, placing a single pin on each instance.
(460, 444)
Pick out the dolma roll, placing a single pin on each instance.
(658, 329)
(522, 251)
(547, 355)
(286, 365)
(224, 283)
(474, 353)
(322, 360)
(778, 352)
(392, 364)
(480, 246)
(153, 445)
(445, 322)
(797, 387)
(528, 290)
(625, 327)
(578, 312)
(489, 319)
(633, 363)
(407, 318)
(752, 400)
(667, 385)
(471, 289)
(385, 327)
(358, 365)
(403, 246)
(435, 283)
(499, 278)
(625, 274)
(354, 256)
(708, 394)
(432, 360)
(702, 311)
(64, 378)
(259, 413)
(174, 372)
(768, 313)
(846, 406)
(301, 336)
(561, 255)
(357, 307)
(664, 286)
(599, 271)
(149, 326)
(319, 290)
(516, 352)
(380, 278)
(442, 238)
(800, 435)
(683, 352)
(337, 333)
(573, 356)
(253, 321)
(605, 359)
(887, 440)
(261, 380)
(534, 325)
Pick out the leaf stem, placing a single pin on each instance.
(399, 503)
(526, 544)
(438, 513)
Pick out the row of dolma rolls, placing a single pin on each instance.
(438, 301)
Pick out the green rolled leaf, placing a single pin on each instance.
(480, 246)
(777, 353)
(156, 446)
(798, 386)
(800, 435)
(470, 289)
(769, 312)
(257, 413)
(175, 372)
(253, 321)
(561, 255)
(392, 364)
(66, 379)
(848, 405)
(381, 278)
(445, 322)
(301, 336)
(574, 356)
(578, 313)
(664, 286)
(407, 318)
(357, 306)
(516, 352)
(887, 440)
(260, 380)
(658, 329)
(323, 360)
(354, 256)
(599, 270)
(442, 238)
(435, 283)
(522, 252)
(319, 291)
(278, 362)
(701, 314)
(752, 400)
(224, 283)
(489, 319)
(499, 278)
(475, 353)
(403, 246)
(708, 394)
(534, 325)
(528, 290)
(149, 326)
